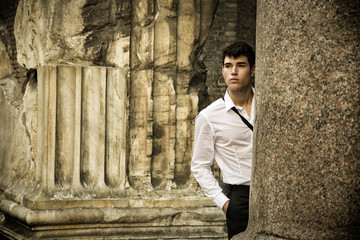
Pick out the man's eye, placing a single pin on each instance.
(227, 66)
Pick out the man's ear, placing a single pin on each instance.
(253, 71)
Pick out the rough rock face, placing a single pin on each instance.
(5, 65)
(18, 170)
(18, 123)
(73, 32)
(44, 36)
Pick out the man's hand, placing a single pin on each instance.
(225, 207)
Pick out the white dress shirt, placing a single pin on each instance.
(220, 134)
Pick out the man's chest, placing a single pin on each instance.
(231, 130)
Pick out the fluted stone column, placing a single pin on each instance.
(82, 123)
(166, 36)
(306, 175)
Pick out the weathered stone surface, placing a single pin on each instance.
(45, 37)
(8, 118)
(18, 146)
(18, 126)
(5, 64)
(100, 141)
(21, 167)
(306, 169)
(72, 32)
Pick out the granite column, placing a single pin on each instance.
(306, 155)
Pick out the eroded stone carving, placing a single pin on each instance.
(114, 116)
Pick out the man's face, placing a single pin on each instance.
(237, 73)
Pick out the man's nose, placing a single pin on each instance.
(234, 70)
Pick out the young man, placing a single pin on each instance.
(221, 134)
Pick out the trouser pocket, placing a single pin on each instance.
(237, 214)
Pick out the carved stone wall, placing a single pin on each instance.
(101, 141)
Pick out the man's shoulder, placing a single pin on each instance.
(214, 107)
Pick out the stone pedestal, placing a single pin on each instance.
(307, 137)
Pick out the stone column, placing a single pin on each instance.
(194, 18)
(81, 132)
(162, 167)
(166, 38)
(307, 137)
(141, 87)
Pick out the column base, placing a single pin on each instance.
(195, 222)
(114, 231)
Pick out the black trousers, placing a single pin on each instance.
(237, 214)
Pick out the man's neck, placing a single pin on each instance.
(242, 98)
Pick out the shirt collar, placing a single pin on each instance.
(229, 102)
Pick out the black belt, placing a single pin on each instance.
(239, 187)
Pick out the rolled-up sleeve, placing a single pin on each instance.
(203, 159)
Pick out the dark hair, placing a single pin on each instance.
(238, 49)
